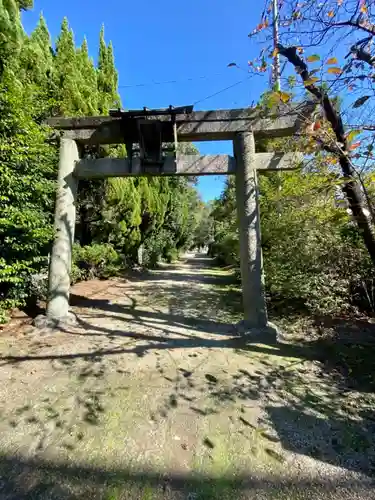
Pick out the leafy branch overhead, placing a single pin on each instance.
(351, 187)
(311, 35)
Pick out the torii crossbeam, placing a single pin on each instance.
(242, 126)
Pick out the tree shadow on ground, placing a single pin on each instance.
(336, 440)
(352, 362)
(175, 318)
(306, 412)
(348, 350)
(316, 417)
(26, 479)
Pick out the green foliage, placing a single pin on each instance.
(107, 77)
(97, 260)
(115, 218)
(26, 192)
(314, 259)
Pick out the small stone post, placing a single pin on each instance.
(65, 216)
(255, 312)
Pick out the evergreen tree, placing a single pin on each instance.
(88, 77)
(25, 4)
(12, 34)
(107, 77)
(66, 74)
(125, 214)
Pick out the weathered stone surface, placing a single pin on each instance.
(255, 312)
(65, 217)
(64, 322)
(196, 126)
(270, 334)
(184, 165)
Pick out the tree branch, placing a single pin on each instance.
(350, 188)
(361, 22)
(359, 52)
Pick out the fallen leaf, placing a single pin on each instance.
(230, 65)
(332, 60)
(354, 146)
(331, 13)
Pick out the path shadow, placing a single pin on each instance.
(338, 441)
(27, 479)
(150, 318)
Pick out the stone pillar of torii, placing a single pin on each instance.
(144, 132)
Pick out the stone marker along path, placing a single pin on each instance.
(152, 395)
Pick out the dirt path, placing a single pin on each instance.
(152, 395)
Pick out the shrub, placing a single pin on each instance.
(314, 257)
(96, 260)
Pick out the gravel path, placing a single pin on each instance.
(152, 395)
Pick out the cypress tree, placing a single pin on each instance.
(66, 73)
(36, 58)
(88, 80)
(12, 34)
(107, 77)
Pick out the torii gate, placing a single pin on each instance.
(149, 129)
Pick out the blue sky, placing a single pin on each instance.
(161, 41)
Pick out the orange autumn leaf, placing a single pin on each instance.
(335, 71)
(363, 7)
(354, 146)
(331, 13)
(313, 58)
(332, 160)
(311, 81)
(317, 125)
(332, 60)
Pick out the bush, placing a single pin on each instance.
(97, 260)
(226, 250)
(314, 257)
(171, 255)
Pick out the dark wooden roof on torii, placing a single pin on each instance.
(216, 125)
